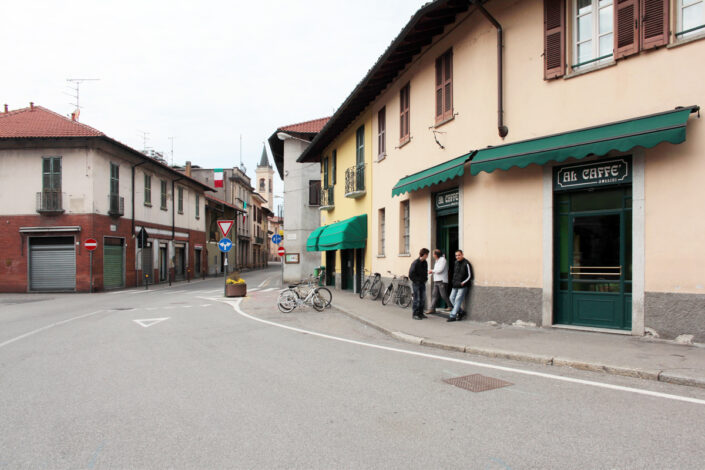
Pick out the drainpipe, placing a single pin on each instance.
(501, 128)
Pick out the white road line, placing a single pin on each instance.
(254, 289)
(205, 305)
(270, 289)
(236, 306)
(263, 283)
(39, 330)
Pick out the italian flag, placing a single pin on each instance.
(218, 177)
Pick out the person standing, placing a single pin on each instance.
(440, 281)
(462, 281)
(418, 274)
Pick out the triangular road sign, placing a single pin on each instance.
(147, 322)
(225, 226)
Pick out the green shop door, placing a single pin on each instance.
(447, 242)
(347, 269)
(594, 258)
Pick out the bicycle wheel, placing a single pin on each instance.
(387, 294)
(287, 301)
(404, 296)
(376, 289)
(323, 296)
(365, 288)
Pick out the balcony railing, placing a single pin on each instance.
(259, 240)
(50, 202)
(355, 181)
(327, 200)
(116, 205)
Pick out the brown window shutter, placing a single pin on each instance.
(553, 38)
(439, 88)
(654, 23)
(626, 28)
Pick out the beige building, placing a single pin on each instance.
(566, 173)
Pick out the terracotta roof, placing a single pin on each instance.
(37, 121)
(212, 198)
(308, 127)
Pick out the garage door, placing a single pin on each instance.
(113, 267)
(52, 264)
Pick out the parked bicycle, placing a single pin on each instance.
(399, 290)
(373, 286)
(307, 292)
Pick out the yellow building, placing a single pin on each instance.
(345, 154)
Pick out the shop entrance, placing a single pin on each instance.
(347, 269)
(330, 268)
(446, 205)
(593, 273)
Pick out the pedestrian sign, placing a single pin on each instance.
(225, 245)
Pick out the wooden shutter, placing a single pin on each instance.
(553, 38)
(654, 23)
(439, 88)
(626, 28)
(444, 87)
(404, 99)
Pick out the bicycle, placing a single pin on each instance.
(373, 286)
(402, 292)
(318, 297)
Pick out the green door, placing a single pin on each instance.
(113, 265)
(347, 269)
(594, 261)
(447, 242)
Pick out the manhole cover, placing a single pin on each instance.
(477, 383)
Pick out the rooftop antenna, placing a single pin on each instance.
(145, 138)
(77, 82)
(172, 150)
(242, 167)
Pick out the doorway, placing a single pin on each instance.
(447, 242)
(330, 268)
(347, 269)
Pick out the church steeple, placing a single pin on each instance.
(264, 161)
(264, 172)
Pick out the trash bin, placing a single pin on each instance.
(317, 274)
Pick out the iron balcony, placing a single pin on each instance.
(355, 181)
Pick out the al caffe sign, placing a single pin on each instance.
(447, 200)
(593, 174)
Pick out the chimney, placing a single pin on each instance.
(31, 105)
(6, 111)
(73, 116)
(188, 169)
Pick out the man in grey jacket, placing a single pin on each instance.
(440, 281)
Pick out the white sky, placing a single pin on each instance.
(202, 72)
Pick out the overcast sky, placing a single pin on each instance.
(201, 72)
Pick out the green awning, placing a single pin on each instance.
(349, 233)
(646, 131)
(434, 175)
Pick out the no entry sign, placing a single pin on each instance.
(281, 251)
(90, 244)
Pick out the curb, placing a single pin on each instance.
(657, 375)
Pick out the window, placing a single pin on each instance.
(360, 145)
(381, 133)
(404, 242)
(270, 185)
(404, 114)
(147, 190)
(325, 173)
(51, 174)
(314, 192)
(114, 179)
(593, 22)
(163, 196)
(444, 87)
(380, 250)
(335, 165)
(181, 200)
(198, 206)
(691, 18)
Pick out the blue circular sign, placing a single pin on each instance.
(276, 238)
(225, 245)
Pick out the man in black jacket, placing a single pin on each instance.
(418, 274)
(462, 281)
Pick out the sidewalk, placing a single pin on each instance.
(631, 356)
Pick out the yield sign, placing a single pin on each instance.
(147, 322)
(225, 226)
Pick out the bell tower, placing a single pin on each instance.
(263, 185)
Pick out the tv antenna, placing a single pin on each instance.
(172, 150)
(76, 88)
(145, 138)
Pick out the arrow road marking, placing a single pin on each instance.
(147, 322)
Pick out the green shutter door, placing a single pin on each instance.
(52, 264)
(112, 266)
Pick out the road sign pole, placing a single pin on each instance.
(225, 275)
(90, 257)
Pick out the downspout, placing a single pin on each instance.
(133, 196)
(501, 128)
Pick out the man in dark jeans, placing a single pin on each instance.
(418, 274)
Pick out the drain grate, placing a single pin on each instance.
(477, 383)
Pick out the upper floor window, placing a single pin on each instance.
(360, 145)
(181, 200)
(51, 174)
(382, 133)
(261, 185)
(114, 178)
(163, 196)
(404, 114)
(334, 164)
(198, 206)
(325, 173)
(593, 22)
(691, 18)
(147, 190)
(444, 87)
(314, 192)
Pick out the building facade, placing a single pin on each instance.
(70, 183)
(554, 143)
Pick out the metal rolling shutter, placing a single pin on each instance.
(112, 266)
(53, 267)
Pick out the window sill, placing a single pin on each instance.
(198, 218)
(163, 208)
(405, 255)
(684, 41)
(180, 212)
(381, 156)
(588, 69)
(381, 256)
(147, 204)
(403, 142)
(443, 122)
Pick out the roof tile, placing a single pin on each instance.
(37, 121)
(308, 127)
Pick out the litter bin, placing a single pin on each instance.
(317, 273)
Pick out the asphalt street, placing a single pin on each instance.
(180, 377)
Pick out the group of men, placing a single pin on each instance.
(461, 282)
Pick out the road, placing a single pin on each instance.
(180, 378)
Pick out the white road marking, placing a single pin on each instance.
(236, 306)
(270, 289)
(152, 308)
(39, 330)
(185, 306)
(254, 289)
(264, 283)
(205, 305)
(147, 322)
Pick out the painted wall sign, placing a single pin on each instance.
(447, 199)
(590, 175)
(291, 258)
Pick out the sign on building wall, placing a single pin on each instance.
(593, 174)
(447, 200)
